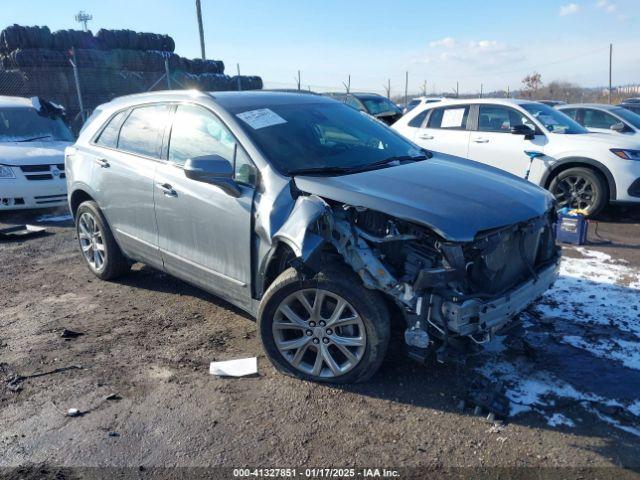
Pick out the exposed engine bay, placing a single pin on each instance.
(445, 289)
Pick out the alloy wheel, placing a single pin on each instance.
(575, 191)
(91, 241)
(319, 333)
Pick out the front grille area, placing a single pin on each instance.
(45, 199)
(499, 261)
(43, 172)
(10, 202)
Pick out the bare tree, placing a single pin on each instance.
(532, 84)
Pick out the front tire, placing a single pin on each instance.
(580, 188)
(328, 328)
(99, 249)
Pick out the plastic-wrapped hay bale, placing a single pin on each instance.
(155, 41)
(67, 39)
(117, 39)
(246, 82)
(34, 57)
(17, 36)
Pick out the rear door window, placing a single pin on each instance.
(450, 118)
(109, 135)
(598, 119)
(142, 131)
(418, 120)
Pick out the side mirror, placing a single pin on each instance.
(528, 133)
(215, 170)
(619, 127)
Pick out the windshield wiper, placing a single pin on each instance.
(358, 168)
(321, 170)
(397, 158)
(34, 138)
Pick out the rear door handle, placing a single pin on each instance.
(167, 190)
(102, 162)
(425, 136)
(481, 140)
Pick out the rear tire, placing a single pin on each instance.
(581, 188)
(97, 245)
(341, 339)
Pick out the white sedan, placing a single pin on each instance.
(32, 143)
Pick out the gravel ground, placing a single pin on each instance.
(149, 338)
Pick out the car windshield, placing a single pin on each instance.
(376, 106)
(628, 116)
(26, 124)
(554, 120)
(321, 136)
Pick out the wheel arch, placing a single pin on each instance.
(582, 162)
(76, 198)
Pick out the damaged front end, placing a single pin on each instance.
(445, 289)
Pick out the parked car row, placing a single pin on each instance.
(535, 141)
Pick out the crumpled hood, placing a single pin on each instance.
(32, 153)
(455, 197)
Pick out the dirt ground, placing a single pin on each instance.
(149, 339)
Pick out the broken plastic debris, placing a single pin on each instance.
(235, 368)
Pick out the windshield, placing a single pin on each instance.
(553, 120)
(376, 106)
(25, 124)
(628, 116)
(321, 136)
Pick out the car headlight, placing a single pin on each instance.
(626, 154)
(6, 172)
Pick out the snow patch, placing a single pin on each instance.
(557, 419)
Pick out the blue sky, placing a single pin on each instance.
(491, 42)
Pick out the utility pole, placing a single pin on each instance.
(298, 80)
(481, 90)
(457, 89)
(406, 88)
(610, 72)
(424, 88)
(201, 28)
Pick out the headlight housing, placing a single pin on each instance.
(6, 172)
(626, 153)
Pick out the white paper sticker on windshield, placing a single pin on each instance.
(452, 118)
(261, 118)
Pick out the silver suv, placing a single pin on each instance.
(313, 217)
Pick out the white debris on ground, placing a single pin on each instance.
(594, 307)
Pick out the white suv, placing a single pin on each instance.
(33, 137)
(532, 140)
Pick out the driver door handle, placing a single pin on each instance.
(167, 189)
(102, 162)
(425, 136)
(481, 140)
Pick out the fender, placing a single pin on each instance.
(577, 161)
(297, 232)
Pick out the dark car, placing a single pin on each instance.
(376, 105)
